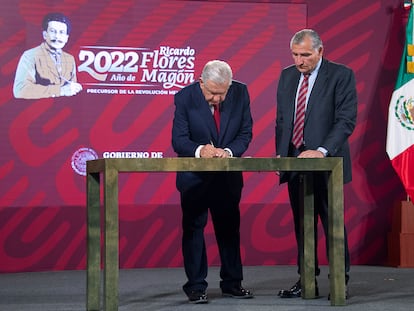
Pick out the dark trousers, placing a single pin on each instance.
(320, 182)
(225, 214)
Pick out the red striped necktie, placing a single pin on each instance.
(297, 137)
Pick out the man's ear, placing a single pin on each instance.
(321, 50)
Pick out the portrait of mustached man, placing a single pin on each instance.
(46, 70)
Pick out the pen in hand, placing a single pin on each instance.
(211, 151)
(216, 154)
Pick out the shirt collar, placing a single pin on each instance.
(314, 73)
(52, 52)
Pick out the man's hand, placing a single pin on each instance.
(70, 89)
(311, 154)
(209, 151)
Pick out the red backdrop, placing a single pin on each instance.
(132, 56)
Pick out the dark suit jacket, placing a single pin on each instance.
(193, 125)
(330, 114)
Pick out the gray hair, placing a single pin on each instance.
(217, 71)
(302, 34)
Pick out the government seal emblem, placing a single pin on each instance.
(404, 111)
(79, 159)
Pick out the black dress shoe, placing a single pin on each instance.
(197, 296)
(237, 292)
(296, 291)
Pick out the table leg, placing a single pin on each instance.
(336, 237)
(93, 241)
(111, 241)
(308, 259)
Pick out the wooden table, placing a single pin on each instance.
(111, 169)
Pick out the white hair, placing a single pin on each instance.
(217, 71)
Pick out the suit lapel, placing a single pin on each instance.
(225, 115)
(225, 108)
(206, 115)
(320, 84)
(292, 91)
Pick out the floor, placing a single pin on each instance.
(370, 288)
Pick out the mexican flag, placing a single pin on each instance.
(400, 132)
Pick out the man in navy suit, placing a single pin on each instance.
(330, 117)
(195, 134)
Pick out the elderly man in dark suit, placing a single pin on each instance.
(212, 119)
(316, 113)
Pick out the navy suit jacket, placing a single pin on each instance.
(330, 114)
(193, 125)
